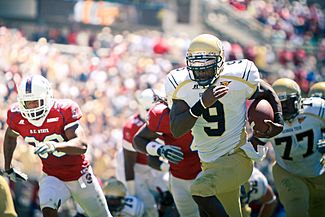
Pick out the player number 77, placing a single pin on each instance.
(300, 137)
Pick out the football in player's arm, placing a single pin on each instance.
(52, 126)
(299, 170)
(209, 97)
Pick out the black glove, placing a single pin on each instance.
(172, 153)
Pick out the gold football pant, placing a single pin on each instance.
(7, 208)
(223, 178)
(300, 196)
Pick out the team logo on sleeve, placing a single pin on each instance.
(74, 113)
(225, 83)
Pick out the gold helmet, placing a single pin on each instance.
(289, 94)
(317, 90)
(115, 192)
(205, 59)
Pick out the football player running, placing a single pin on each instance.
(184, 163)
(299, 170)
(119, 203)
(258, 189)
(52, 126)
(209, 97)
(141, 180)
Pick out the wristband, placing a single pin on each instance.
(197, 109)
(278, 118)
(152, 148)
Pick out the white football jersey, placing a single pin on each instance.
(133, 208)
(255, 188)
(295, 147)
(221, 127)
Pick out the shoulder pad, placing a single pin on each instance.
(242, 69)
(314, 106)
(174, 78)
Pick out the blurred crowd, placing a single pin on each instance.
(297, 31)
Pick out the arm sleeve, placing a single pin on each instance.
(158, 119)
(72, 114)
(252, 77)
(11, 121)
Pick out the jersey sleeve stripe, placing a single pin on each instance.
(15, 132)
(70, 125)
(315, 116)
(249, 71)
(245, 70)
(322, 110)
(241, 80)
(179, 87)
(172, 80)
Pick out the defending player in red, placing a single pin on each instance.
(184, 163)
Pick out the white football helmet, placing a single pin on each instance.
(35, 88)
(205, 59)
(145, 100)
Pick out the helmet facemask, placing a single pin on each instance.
(290, 105)
(35, 89)
(289, 94)
(115, 204)
(204, 69)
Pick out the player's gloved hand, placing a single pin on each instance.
(172, 153)
(15, 175)
(275, 127)
(321, 146)
(45, 147)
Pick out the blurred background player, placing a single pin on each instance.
(209, 97)
(183, 171)
(299, 170)
(52, 126)
(317, 90)
(7, 208)
(141, 180)
(119, 203)
(257, 189)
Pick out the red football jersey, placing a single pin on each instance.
(63, 114)
(130, 128)
(158, 121)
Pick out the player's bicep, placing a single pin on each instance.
(10, 133)
(147, 133)
(10, 140)
(179, 106)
